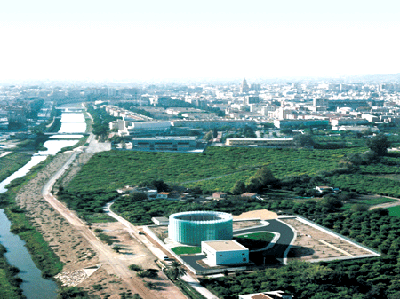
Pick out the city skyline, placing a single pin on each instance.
(181, 41)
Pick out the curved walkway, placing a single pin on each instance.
(284, 241)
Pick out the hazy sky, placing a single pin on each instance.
(190, 39)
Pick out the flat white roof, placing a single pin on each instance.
(225, 245)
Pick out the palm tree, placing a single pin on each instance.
(175, 270)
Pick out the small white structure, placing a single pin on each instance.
(267, 295)
(225, 252)
(324, 189)
(160, 220)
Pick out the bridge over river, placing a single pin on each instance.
(69, 133)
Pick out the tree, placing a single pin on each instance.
(161, 186)
(100, 130)
(303, 140)
(261, 179)
(379, 144)
(208, 136)
(248, 132)
(215, 133)
(175, 271)
(72, 292)
(239, 188)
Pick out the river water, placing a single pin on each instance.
(33, 285)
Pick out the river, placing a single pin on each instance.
(34, 286)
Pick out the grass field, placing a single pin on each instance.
(186, 250)
(394, 211)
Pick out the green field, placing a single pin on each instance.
(394, 211)
(108, 171)
(186, 250)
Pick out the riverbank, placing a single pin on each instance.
(9, 281)
(11, 162)
(67, 242)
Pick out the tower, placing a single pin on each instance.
(245, 87)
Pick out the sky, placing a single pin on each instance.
(190, 40)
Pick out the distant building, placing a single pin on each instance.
(160, 220)
(324, 189)
(298, 123)
(369, 117)
(249, 195)
(251, 100)
(244, 87)
(267, 295)
(162, 195)
(219, 195)
(264, 142)
(165, 144)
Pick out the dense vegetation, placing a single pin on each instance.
(11, 163)
(100, 121)
(111, 170)
(9, 281)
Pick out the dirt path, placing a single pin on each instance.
(76, 245)
(387, 204)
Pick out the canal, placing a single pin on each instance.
(34, 286)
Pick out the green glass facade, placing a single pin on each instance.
(193, 227)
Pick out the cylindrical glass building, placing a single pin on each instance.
(195, 226)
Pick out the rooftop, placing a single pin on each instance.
(225, 245)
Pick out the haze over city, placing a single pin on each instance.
(196, 40)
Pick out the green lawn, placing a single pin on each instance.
(394, 211)
(186, 250)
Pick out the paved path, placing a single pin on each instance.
(286, 236)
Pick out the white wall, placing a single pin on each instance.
(240, 256)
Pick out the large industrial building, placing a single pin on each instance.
(264, 142)
(165, 143)
(191, 228)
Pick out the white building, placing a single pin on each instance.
(225, 252)
(267, 295)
